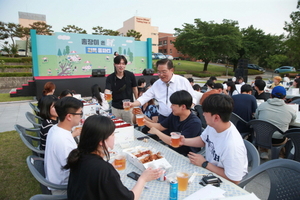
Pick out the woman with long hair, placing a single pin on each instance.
(49, 89)
(49, 116)
(231, 89)
(66, 93)
(98, 97)
(91, 175)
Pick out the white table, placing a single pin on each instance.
(160, 190)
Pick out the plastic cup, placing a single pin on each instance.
(126, 104)
(120, 162)
(175, 139)
(136, 110)
(182, 178)
(140, 119)
(108, 95)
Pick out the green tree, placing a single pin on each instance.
(41, 28)
(111, 32)
(67, 50)
(133, 33)
(275, 61)
(10, 30)
(59, 53)
(209, 40)
(64, 52)
(293, 38)
(73, 29)
(98, 30)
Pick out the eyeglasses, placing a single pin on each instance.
(81, 114)
(162, 72)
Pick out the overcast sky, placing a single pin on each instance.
(268, 15)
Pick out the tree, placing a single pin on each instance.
(293, 37)
(59, 53)
(10, 30)
(133, 33)
(26, 35)
(41, 28)
(208, 40)
(100, 31)
(73, 29)
(275, 61)
(67, 50)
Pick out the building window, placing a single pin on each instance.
(171, 42)
(165, 50)
(154, 44)
(160, 42)
(165, 41)
(153, 34)
(170, 51)
(160, 50)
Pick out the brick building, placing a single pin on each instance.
(166, 46)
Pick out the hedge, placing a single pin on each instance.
(15, 74)
(16, 66)
(17, 60)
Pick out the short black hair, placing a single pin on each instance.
(67, 105)
(45, 106)
(168, 62)
(218, 86)
(246, 88)
(191, 80)
(152, 80)
(196, 87)
(210, 83)
(118, 59)
(213, 78)
(219, 104)
(141, 81)
(65, 93)
(182, 97)
(260, 84)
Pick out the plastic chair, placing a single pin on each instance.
(32, 119)
(284, 175)
(48, 197)
(36, 167)
(28, 140)
(252, 155)
(34, 108)
(294, 136)
(199, 110)
(239, 122)
(262, 136)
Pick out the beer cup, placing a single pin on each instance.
(120, 162)
(182, 179)
(140, 119)
(108, 95)
(136, 110)
(175, 139)
(126, 104)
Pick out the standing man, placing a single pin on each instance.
(123, 85)
(60, 141)
(163, 88)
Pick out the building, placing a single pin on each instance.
(142, 25)
(166, 46)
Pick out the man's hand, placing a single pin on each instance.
(153, 130)
(196, 159)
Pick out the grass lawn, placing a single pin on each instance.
(16, 181)
(4, 97)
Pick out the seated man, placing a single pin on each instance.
(60, 141)
(275, 111)
(244, 106)
(218, 88)
(197, 93)
(259, 86)
(180, 120)
(226, 154)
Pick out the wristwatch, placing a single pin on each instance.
(204, 164)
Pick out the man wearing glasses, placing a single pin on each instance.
(60, 141)
(163, 88)
(122, 84)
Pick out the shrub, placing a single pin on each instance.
(17, 66)
(15, 74)
(26, 60)
(180, 72)
(7, 59)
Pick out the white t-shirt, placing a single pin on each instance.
(59, 144)
(198, 96)
(105, 105)
(226, 150)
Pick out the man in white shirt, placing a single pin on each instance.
(197, 92)
(60, 141)
(226, 154)
(163, 88)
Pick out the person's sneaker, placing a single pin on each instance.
(264, 155)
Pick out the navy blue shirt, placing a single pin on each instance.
(190, 127)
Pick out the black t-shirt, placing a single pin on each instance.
(190, 127)
(263, 96)
(121, 88)
(94, 178)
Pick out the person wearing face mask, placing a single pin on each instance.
(91, 175)
(122, 84)
(163, 88)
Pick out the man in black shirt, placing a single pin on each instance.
(259, 86)
(122, 84)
